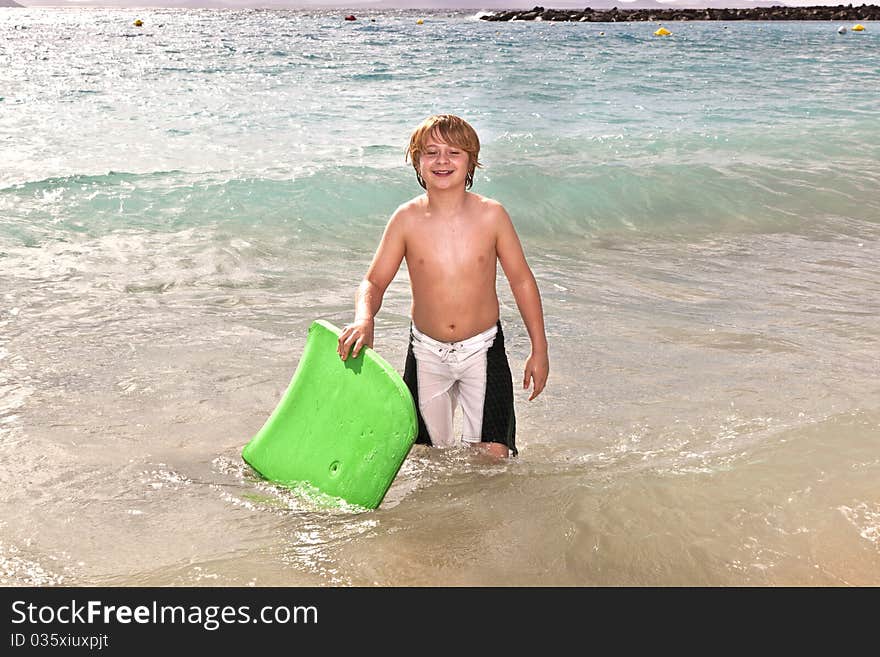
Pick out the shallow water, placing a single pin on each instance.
(178, 204)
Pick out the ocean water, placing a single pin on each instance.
(179, 201)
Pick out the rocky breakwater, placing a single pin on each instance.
(615, 15)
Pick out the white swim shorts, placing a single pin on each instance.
(473, 374)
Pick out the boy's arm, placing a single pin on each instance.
(528, 300)
(369, 295)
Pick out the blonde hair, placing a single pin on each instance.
(452, 130)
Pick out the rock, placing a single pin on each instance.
(775, 13)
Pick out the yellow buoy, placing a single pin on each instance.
(858, 28)
(662, 32)
(139, 22)
(420, 22)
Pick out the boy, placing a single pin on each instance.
(451, 239)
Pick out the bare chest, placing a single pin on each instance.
(450, 250)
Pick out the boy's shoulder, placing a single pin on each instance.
(411, 206)
(487, 204)
(487, 209)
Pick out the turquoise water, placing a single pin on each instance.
(264, 110)
(179, 201)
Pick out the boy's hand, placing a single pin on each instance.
(537, 369)
(358, 334)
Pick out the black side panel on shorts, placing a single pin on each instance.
(499, 420)
(411, 379)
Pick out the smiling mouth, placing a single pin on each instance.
(442, 172)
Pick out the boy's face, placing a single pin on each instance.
(442, 165)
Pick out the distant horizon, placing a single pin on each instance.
(475, 5)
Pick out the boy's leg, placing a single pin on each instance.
(411, 379)
(493, 449)
(434, 393)
(472, 402)
(474, 397)
(437, 412)
(497, 421)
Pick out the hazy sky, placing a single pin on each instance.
(364, 4)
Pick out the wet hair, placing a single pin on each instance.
(452, 130)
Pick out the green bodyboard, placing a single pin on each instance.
(345, 427)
